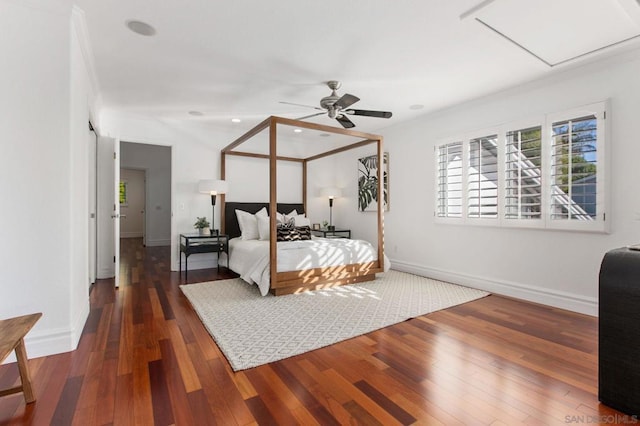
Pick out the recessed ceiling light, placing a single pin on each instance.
(297, 130)
(325, 135)
(196, 113)
(141, 28)
(416, 106)
(235, 120)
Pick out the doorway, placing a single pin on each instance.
(151, 164)
(156, 161)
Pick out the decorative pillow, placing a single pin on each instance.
(301, 220)
(249, 223)
(292, 214)
(297, 233)
(287, 223)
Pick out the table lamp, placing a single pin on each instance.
(213, 187)
(332, 193)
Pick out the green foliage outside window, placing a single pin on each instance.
(123, 192)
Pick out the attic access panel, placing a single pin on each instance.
(555, 31)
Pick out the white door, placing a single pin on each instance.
(109, 208)
(92, 141)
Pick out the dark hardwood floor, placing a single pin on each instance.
(144, 358)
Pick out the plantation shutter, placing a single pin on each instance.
(449, 192)
(523, 174)
(482, 192)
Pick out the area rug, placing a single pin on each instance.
(252, 330)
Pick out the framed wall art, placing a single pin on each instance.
(368, 183)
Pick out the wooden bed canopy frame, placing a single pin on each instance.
(316, 278)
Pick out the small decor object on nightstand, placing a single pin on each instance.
(316, 226)
(202, 225)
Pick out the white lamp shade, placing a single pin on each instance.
(213, 186)
(331, 192)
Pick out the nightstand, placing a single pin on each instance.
(334, 233)
(196, 243)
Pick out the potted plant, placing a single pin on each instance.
(202, 225)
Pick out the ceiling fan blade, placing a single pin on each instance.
(306, 106)
(379, 114)
(346, 123)
(312, 115)
(345, 101)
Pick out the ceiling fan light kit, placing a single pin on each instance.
(337, 107)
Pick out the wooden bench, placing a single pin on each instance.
(12, 332)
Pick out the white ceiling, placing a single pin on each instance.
(240, 58)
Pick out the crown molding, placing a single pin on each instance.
(56, 7)
(79, 24)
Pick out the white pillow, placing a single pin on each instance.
(263, 227)
(292, 213)
(300, 220)
(248, 224)
(262, 212)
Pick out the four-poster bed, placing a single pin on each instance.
(286, 282)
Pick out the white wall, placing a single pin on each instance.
(552, 267)
(43, 174)
(156, 161)
(249, 180)
(341, 170)
(83, 100)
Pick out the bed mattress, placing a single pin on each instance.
(250, 258)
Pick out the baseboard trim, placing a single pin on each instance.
(55, 341)
(207, 261)
(159, 242)
(545, 296)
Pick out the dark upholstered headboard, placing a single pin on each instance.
(231, 227)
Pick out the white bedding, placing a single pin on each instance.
(250, 258)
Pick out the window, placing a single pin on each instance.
(482, 191)
(523, 174)
(123, 193)
(574, 169)
(546, 173)
(449, 191)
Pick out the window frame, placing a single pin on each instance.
(483, 133)
(538, 121)
(463, 209)
(600, 225)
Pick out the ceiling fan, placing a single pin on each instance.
(337, 107)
